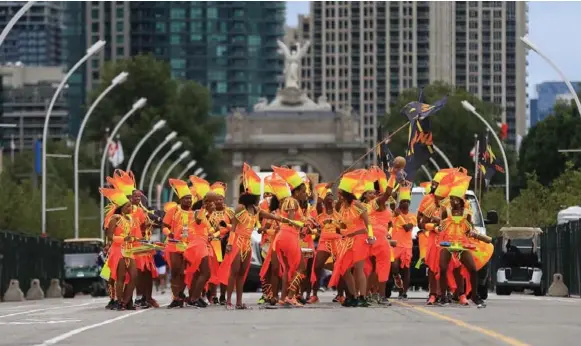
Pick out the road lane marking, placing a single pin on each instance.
(503, 338)
(77, 331)
(20, 323)
(47, 309)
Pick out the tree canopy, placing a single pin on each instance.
(184, 105)
(539, 148)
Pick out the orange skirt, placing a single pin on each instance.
(404, 255)
(267, 260)
(288, 251)
(353, 250)
(452, 266)
(114, 256)
(432, 259)
(330, 246)
(197, 250)
(169, 248)
(145, 263)
(241, 247)
(382, 253)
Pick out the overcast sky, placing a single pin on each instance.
(551, 24)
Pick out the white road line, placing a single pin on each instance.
(47, 309)
(91, 326)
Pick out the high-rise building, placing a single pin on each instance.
(27, 92)
(547, 95)
(364, 54)
(229, 47)
(36, 39)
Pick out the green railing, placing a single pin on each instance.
(26, 257)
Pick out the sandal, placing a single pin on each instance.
(229, 306)
(241, 307)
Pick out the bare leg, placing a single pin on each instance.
(202, 279)
(360, 278)
(177, 274)
(240, 280)
(120, 282)
(468, 262)
(232, 280)
(128, 292)
(320, 260)
(445, 257)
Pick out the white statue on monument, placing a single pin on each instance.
(292, 63)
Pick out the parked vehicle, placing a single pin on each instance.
(81, 268)
(520, 264)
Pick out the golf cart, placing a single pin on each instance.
(81, 267)
(520, 265)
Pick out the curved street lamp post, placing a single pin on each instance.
(136, 106)
(470, 108)
(167, 139)
(15, 19)
(175, 147)
(90, 52)
(119, 79)
(534, 48)
(154, 129)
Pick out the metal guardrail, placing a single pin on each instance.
(25, 257)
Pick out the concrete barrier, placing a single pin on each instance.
(54, 290)
(558, 287)
(13, 293)
(35, 292)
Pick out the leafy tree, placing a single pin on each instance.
(185, 105)
(453, 127)
(539, 148)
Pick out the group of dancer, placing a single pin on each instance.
(363, 235)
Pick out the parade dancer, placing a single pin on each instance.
(429, 212)
(178, 222)
(201, 262)
(403, 225)
(455, 230)
(307, 241)
(271, 271)
(379, 216)
(234, 268)
(120, 260)
(358, 238)
(287, 245)
(330, 237)
(146, 270)
(221, 219)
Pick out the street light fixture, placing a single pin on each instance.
(534, 48)
(158, 125)
(168, 172)
(203, 175)
(136, 106)
(119, 79)
(95, 48)
(198, 171)
(175, 147)
(470, 108)
(190, 165)
(167, 139)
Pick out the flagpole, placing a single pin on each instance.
(476, 154)
(12, 147)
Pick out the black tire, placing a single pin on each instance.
(503, 291)
(98, 289)
(539, 291)
(68, 291)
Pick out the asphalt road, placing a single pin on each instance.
(515, 320)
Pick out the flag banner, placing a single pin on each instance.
(488, 163)
(115, 153)
(420, 140)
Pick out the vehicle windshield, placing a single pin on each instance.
(80, 260)
(477, 219)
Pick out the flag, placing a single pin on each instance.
(12, 148)
(384, 155)
(420, 140)
(503, 133)
(115, 152)
(473, 152)
(488, 163)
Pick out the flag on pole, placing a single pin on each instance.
(115, 153)
(12, 148)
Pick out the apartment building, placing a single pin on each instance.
(363, 54)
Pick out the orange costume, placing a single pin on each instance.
(354, 247)
(124, 227)
(180, 221)
(403, 249)
(278, 187)
(199, 246)
(329, 239)
(218, 218)
(287, 244)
